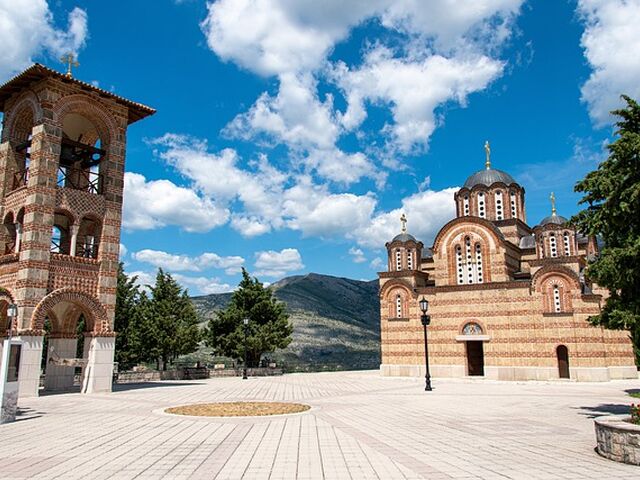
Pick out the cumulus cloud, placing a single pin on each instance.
(611, 42)
(357, 255)
(158, 203)
(27, 30)
(277, 264)
(123, 250)
(426, 212)
(172, 262)
(203, 285)
(443, 51)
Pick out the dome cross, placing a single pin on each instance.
(403, 221)
(487, 149)
(552, 197)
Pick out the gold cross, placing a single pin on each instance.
(553, 203)
(70, 60)
(403, 220)
(487, 149)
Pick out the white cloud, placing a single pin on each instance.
(27, 29)
(172, 262)
(357, 255)
(203, 285)
(144, 279)
(158, 203)
(611, 43)
(123, 250)
(377, 264)
(426, 212)
(277, 264)
(413, 88)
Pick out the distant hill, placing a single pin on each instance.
(336, 321)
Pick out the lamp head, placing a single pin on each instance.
(424, 305)
(12, 310)
(245, 321)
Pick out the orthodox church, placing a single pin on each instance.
(507, 301)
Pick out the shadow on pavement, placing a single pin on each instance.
(605, 409)
(123, 387)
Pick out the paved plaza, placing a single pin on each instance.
(360, 426)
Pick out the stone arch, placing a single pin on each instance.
(94, 111)
(15, 131)
(6, 298)
(541, 276)
(94, 312)
(384, 291)
(467, 321)
(477, 225)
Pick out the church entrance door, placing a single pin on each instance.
(475, 358)
(563, 361)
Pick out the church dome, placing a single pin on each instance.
(488, 177)
(556, 219)
(404, 237)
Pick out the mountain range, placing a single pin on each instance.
(336, 321)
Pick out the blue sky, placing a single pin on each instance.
(290, 135)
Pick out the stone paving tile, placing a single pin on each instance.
(361, 426)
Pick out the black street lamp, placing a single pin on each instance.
(426, 320)
(246, 331)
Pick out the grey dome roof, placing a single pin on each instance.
(488, 177)
(404, 237)
(557, 219)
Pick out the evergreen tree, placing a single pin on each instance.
(612, 193)
(127, 301)
(269, 327)
(171, 321)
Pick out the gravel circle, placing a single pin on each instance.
(238, 409)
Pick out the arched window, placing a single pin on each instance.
(478, 263)
(468, 258)
(499, 206)
(567, 244)
(466, 205)
(459, 265)
(410, 259)
(398, 306)
(557, 304)
(398, 260)
(514, 211)
(472, 328)
(553, 245)
(481, 210)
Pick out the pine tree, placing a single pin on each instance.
(612, 193)
(127, 302)
(171, 321)
(269, 327)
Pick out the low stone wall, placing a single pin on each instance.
(191, 374)
(618, 439)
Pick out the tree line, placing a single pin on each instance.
(158, 324)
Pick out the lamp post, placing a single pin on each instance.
(246, 331)
(426, 320)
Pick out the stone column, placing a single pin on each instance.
(98, 371)
(18, 236)
(74, 239)
(60, 377)
(30, 359)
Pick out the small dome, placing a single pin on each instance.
(404, 237)
(557, 219)
(488, 177)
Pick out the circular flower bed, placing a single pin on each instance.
(238, 409)
(618, 439)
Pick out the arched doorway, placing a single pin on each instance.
(562, 353)
(473, 338)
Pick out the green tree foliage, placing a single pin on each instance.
(171, 321)
(156, 328)
(269, 327)
(612, 193)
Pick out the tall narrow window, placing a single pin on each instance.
(398, 260)
(499, 206)
(481, 211)
(398, 306)
(557, 306)
(56, 239)
(468, 258)
(567, 244)
(553, 245)
(410, 259)
(514, 211)
(459, 265)
(478, 263)
(466, 205)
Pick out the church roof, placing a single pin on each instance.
(404, 237)
(556, 219)
(488, 177)
(37, 72)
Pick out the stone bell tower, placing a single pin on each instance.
(62, 155)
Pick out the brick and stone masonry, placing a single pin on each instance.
(507, 301)
(62, 156)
